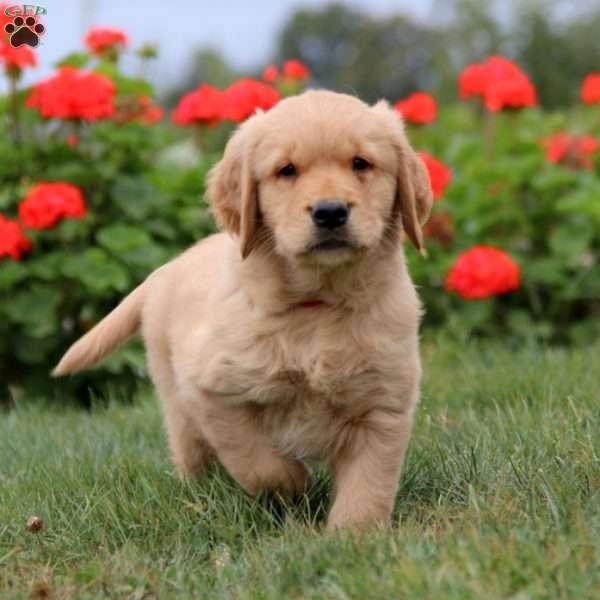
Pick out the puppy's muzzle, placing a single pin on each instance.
(330, 214)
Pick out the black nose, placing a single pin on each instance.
(329, 214)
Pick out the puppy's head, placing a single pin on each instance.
(322, 177)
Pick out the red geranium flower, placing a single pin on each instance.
(499, 82)
(245, 96)
(472, 81)
(204, 105)
(74, 94)
(99, 39)
(139, 109)
(17, 57)
(556, 146)
(590, 89)
(270, 74)
(572, 151)
(419, 108)
(13, 242)
(150, 113)
(482, 272)
(439, 174)
(48, 203)
(294, 69)
(587, 144)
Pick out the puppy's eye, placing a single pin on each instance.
(288, 171)
(360, 164)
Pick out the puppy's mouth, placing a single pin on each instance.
(330, 244)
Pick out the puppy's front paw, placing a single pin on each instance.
(356, 517)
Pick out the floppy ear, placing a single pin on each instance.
(232, 191)
(414, 197)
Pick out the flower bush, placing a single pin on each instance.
(88, 207)
(91, 202)
(208, 105)
(514, 239)
(74, 94)
(290, 79)
(575, 151)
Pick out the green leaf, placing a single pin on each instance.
(123, 238)
(97, 271)
(137, 197)
(545, 271)
(197, 221)
(130, 356)
(70, 230)
(552, 180)
(35, 309)
(11, 273)
(571, 241)
(46, 266)
(133, 246)
(126, 86)
(34, 351)
(583, 201)
(77, 172)
(163, 229)
(75, 59)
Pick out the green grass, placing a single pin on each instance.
(500, 499)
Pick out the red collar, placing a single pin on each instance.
(311, 303)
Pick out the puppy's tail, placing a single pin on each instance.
(99, 342)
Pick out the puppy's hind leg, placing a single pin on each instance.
(189, 450)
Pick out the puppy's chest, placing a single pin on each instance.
(283, 366)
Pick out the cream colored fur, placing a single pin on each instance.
(246, 374)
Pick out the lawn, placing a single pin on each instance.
(500, 498)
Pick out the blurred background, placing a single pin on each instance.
(103, 164)
(374, 48)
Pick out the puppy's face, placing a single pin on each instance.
(322, 177)
(327, 179)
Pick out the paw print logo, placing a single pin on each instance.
(24, 31)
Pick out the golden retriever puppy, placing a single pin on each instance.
(292, 336)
